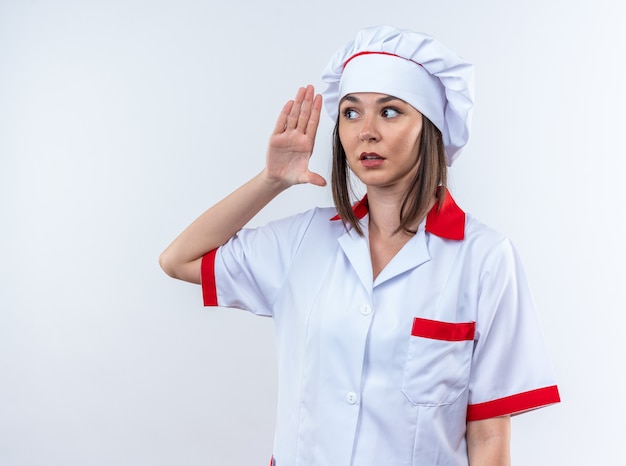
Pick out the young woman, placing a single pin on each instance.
(405, 329)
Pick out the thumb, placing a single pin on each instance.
(314, 178)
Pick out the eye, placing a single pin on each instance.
(350, 114)
(390, 112)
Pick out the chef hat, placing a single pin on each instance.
(413, 67)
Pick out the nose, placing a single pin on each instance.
(369, 132)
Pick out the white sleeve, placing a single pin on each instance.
(248, 271)
(511, 369)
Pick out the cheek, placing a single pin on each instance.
(408, 142)
(416, 137)
(416, 146)
(343, 135)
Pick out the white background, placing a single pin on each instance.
(121, 121)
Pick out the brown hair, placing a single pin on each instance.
(432, 172)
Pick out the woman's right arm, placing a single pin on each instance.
(289, 150)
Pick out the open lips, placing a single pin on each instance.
(371, 159)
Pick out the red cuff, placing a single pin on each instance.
(207, 273)
(514, 404)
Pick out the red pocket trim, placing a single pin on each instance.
(437, 330)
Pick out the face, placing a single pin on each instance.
(380, 135)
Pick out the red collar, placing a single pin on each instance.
(447, 222)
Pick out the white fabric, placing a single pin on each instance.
(452, 115)
(355, 387)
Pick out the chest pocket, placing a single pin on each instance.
(437, 367)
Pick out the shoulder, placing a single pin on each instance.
(491, 250)
(479, 234)
(480, 241)
(317, 217)
(314, 221)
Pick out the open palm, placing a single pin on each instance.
(292, 141)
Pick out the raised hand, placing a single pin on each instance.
(292, 141)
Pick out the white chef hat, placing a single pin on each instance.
(413, 67)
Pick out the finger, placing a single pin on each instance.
(281, 121)
(292, 119)
(314, 119)
(314, 178)
(305, 109)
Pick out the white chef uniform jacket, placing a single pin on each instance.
(387, 371)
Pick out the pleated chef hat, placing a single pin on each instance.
(413, 67)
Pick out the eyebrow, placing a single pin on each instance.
(382, 100)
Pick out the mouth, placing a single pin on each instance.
(370, 156)
(371, 160)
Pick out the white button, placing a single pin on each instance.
(366, 309)
(351, 398)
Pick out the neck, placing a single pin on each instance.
(384, 211)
